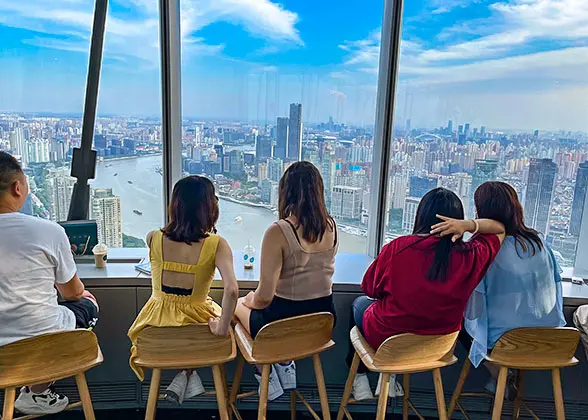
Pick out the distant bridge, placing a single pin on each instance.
(429, 136)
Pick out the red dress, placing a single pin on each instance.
(408, 302)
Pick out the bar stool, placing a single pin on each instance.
(281, 341)
(187, 347)
(526, 349)
(406, 354)
(48, 358)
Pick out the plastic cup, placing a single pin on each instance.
(100, 255)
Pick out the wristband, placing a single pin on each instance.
(477, 226)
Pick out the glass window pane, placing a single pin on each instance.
(493, 91)
(267, 83)
(43, 68)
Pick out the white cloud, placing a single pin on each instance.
(67, 25)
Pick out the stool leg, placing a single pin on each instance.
(237, 378)
(265, 374)
(520, 392)
(85, 396)
(499, 398)
(558, 395)
(465, 371)
(322, 388)
(441, 407)
(406, 398)
(153, 394)
(221, 396)
(8, 409)
(383, 398)
(292, 405)
(348, 386)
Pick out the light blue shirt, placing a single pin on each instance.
(519, 290)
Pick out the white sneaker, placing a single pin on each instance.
(46, 402)
(287, 375)
(361, 387)
(195, 386)
(275, 388)
(176, 391)
(395, 389)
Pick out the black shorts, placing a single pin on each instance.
(85, 311)
(284, 308)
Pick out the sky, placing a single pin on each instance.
(506, 64)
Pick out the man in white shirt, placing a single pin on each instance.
(35, 260)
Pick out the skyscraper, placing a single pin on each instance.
(281, 138)
(484, 170)
(346, 202)
(275, 169)
(419, 186)
(60, 185)
(483, 131)
(411, 205)
(106, 210)
(328, 169)
(294, 149)
(466, 130)
(542, 173)
(450, 127)
(579, 198)
(263, 148)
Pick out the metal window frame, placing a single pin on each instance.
(384, 125)
(171, 95)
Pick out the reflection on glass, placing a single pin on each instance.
(268, 83)
(43, 65)
(493, 91)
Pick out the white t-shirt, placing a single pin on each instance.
(35, 254)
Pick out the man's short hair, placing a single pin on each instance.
(10, 170)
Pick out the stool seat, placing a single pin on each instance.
(524, 349)
(283, 341)
(406, 354)
(264, 350)
(187, 347)
(48, 358)
(392, 362)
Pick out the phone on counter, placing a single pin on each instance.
(577, 280)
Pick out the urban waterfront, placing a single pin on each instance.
(144, 194)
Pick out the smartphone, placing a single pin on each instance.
(577, 280)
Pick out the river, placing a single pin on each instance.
(145, 195)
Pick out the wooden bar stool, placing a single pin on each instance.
(406, 354)
(526, 349)
(281, 341)
(48, 358)
(187, 347)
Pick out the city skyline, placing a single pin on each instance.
(510, 65)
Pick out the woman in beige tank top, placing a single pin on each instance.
(297, 263)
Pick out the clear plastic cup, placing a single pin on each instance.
(100, 252)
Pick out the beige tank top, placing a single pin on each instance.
(305, 275)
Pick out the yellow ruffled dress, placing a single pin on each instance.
(167, 310)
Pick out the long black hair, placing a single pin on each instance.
(302, 195)
(446, 203)
(499, 201)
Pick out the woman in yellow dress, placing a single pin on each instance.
(184, 256)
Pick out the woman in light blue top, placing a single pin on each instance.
(522, 287)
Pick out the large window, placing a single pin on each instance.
(43, 66)
(268, 83)
(494, 90)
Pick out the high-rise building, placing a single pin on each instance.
(484, 170)
(579, 198)
(538, 199)
(263, 148)
(420, 185)
(294, 150)
(106, 210)
(59, 185)
(275, 169)
(399, 187)
(19, 146)
(346, 202)
(450, 127)
(269, 192)
(411, 205)
(582, 250)
(466, 130)
(261, 171)
(281, 138)
(237, 163)
(328, 169)
(483, 131)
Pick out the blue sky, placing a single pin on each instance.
(510, 64)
